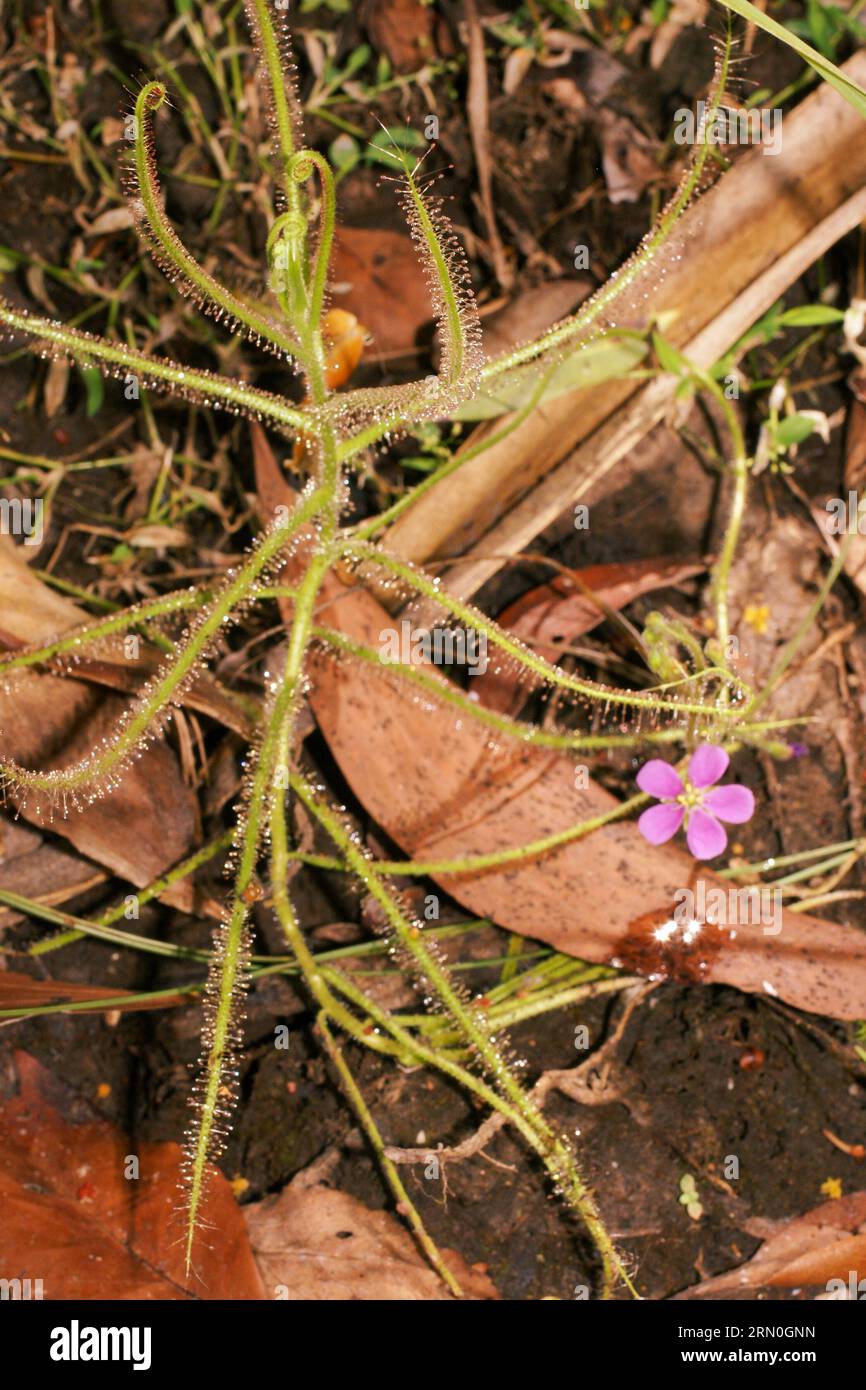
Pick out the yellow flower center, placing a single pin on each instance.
(692, 796)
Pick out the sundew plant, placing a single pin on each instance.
(698, 701)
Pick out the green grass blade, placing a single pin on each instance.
(845, 86)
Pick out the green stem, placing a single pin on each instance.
(159, 692)
(157, 372)
(443, 690)
(551, 1147)
(478, 863)
(740, 466)
(170, 249)
(106, 627)
(279, 88)
(405, 1205)
(300, 169)
(473, 618)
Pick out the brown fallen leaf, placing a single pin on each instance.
(553, 615)
(517, 65)
(56, 385)
(566, 93)
(404, 30)
(113, 668)
(374, 274)
(33, 867)
(114, 220)
(827, 1243)
(128, 674)
(150, 821)
(317, 1244)
(74, 1220)
(436, 787)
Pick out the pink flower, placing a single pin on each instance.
(703, 804)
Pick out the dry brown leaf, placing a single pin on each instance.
(566, 93)
(404, 30)
(517, 65)
(314, 1243)
(436, 787)
(113, 220)
(33, 867)
(157, 537)
(23, 992)
(827, 1243)
(150, 821)
(28, 607)
(374, 274)
(772, 587)
(144, 467)
(56, 386)
(72, 1219)
(128, 674)
(146, 824)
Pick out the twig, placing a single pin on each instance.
(568, 1080)
(479, 129)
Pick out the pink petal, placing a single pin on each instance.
(705, 836)
(734, 803)
(658, 778)
(659, 823)
(707, 764)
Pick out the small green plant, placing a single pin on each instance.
(701, 699)
(689, 1197)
